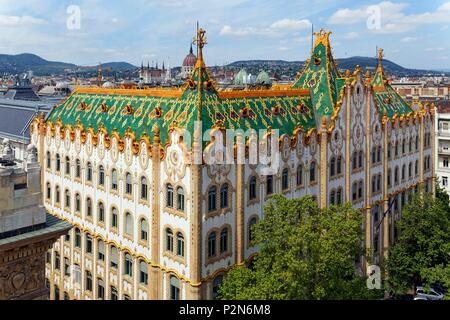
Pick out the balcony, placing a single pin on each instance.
(444, 150)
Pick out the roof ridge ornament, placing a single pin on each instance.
(322, 37)
(200, 42)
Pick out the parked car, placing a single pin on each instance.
(429, 294)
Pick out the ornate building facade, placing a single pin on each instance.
(26, 231)
(153, 221)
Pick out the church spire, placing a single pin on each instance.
(191, 51)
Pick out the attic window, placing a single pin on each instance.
(83, 105)
(317, 61)
(276, 110)
(244, 112)
(208, 85)
(158, 112)
(191, 84)
(358, 90)
(128, 109)
(104, 107)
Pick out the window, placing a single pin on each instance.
(56, 293)
(379, 154)
(144, 188)
(403, 172)
(410, 170)
(57, 261)
(299, 175)
(101, 176)
(114, 295)
(410, 144)
(128, 265)
(396, 175)
(374, 156)
(77, 202)
(354, 161)
(251, 236)
(360, 159)
(78, 168)
(100, 289)
(67, 166)
(89, 207)
(416, 167)
(67, 198)
(58, 162)
(114, 257)
(339, 165)
(128, 184)
(180, 244)
(66, 296)
(403, 146)
(285, 179)
(389, 177)
(169, 240)
(49, 160)
(445, 162)
(128, 223)
(89, 172)
(332, 197)
(180, 199)
(77, 238)
(101, 250)
(216, 284)
(49, 191)
(224, 240)
(332, 167)
(224, 196)
(339, 196)
(144, 229)
(354, 191)
(269, 183)
(396, 149)
(389, 151)
(77, 273)
(101, 212)
(174, 288)
(143, 272)
(88, 244)
(252, 188)
(312, 172)
(379, 182)
(114, 218)
(57, 195)
(169, 200)
(114, 179)
(417, 142)
(360, 190)
(88, 281)
(212, 244)
(212, 199)
(445, 181)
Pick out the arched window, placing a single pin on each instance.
(77, 202)
(57, 195)
(354, 191)
(101, 212)
(169, 200)
(374, 184)
(212, 199)
(114, 294)
(285, 179)
(339, 165)
(410, 170)
(312, 172)
(78, 168)
(389, 182)
(169, 240)
(174, 288)
(332, 167)
(299, 175)
(212, 244)
(101, 176)
(144, 230)
(252, 188)
(360, 159)
(379, 154)
(403, 146)
(67, 198)
(389, 151)
(403, 172)
(49, 191)
(49, 160)
(410, 144)
(354, 160)
(224, 240)
(58, 162)
(417, 142)
(224, 196)
(360, 190)
(88, 283)
(180, 244)
(101, 250)
(143, 272)
(89, 172)
(114, 257)
(379, 182)
(269, 184)
(88, 242)
(144, 188)
(128, 265)
(128, 184)
(416, 169)
(67, 166)
(89, 207)
(339, 196)
(128, 223)
(77, 238)
(332, 197)
(114, 179)
(217, 282)
(250, 233)
(180, 199)
(374, 155)
(114, 218)
(396, 175)
(100, 289)
(396, 149)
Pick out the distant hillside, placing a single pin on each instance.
(344, 63)
(20, 63)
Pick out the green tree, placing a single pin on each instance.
(305, 253)
(421, 253)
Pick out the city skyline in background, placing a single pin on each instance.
(411, 34)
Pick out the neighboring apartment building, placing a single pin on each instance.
(442, 126)
(151, 224)
(26, 230)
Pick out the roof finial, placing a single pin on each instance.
(200, 41)
(380, 56)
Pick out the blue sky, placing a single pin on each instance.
(413, 33)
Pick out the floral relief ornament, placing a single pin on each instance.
(175, 164)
